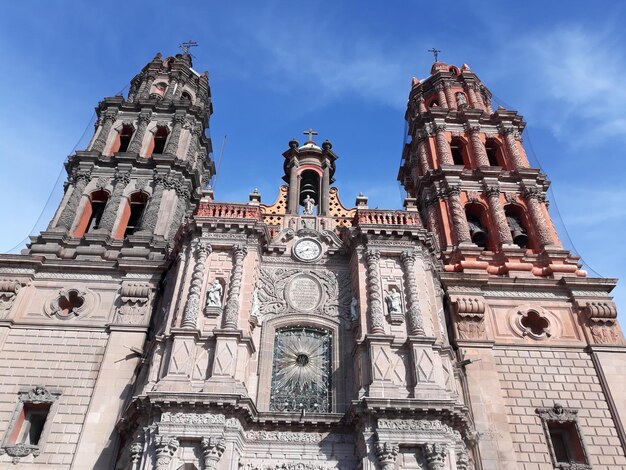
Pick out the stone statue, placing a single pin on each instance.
(461, 100)
(309, 205)
(393, 299)
(214, 295)
(256, 310)
(354, 309)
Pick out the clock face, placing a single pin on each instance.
(307, 249)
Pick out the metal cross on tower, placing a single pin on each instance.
(185, 46)
(311, 133)
(435, 53)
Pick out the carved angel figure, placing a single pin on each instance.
(461, 99)
(393, 299)
(214, 294)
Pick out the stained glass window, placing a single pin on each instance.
(301, 372)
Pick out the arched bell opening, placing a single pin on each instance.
(518, 225)
(92, 213)
(458, 147)
(309, 197)
(494, 153)
(478, 224)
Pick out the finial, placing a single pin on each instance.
(185, 46)
(327, 145)
(293, 143)
(311, 133)
(435, 53)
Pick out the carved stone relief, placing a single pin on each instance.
(69, 303)
(8, 292)
(135, 303)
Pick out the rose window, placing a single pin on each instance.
(301, 372)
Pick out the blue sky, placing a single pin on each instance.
(343, 68)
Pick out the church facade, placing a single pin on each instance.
(154, 327)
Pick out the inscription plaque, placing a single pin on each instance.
(303, 293)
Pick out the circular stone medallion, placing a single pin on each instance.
(303, 293)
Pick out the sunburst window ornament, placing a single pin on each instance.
(301, 373)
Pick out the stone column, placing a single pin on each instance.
(534, 199)
(293, 189)
(421, 105)
(179, 89)
(192, 307)
(387, 454)
(194, 140)
(182, 192)
(212, 450)
(414, 314)
(472, 96)
(78, 180)
(449, 96)
(174, 138)
(151, 213)
(435, 456)
(460, 227)
(375, 311)
(441, 95)
(479, 148)
(142, 123)
(478, 96)
(431, 217)
(231, 312)
(325, 189)
(422, 154)
(511, 145)
(166, 447)
(113, 204)
(106, 122)
(443, 147)
(497, 213)
(169, 94)
(146, 84)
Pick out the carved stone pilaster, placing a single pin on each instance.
(534, 199)
(192, 307)
(449, 95)
(479, 148)
(497, 213)
(470, 312)
(165, 448)
(142, 124)
(375, 311)
(106, 122)
(212, 450)
(421, 105)
(511, 145)
(477, 96)
(113, 204)
(472, 97)
(459, 220)
(441, 95)
(462, 460)
(443, 147)
(196, 132)
(431, 217)
(151, 214)
(146, 84)
(231, 312)
(79, 181)
(435, 455)
(182, 192)
(414, 314)
(136, 450)
(169, 94)
(422, 154)
(172, 142)
(387, 454)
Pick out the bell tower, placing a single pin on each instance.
(142, 172)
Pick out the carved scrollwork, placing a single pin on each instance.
(19, 451)
(37, 395)
(246, 465)
(8, 292)
(135, 298)
(470, 313)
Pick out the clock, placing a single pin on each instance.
(307, 249)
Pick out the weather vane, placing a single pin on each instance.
(185, 46)
(435, 53)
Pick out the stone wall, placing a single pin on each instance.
(532, 378)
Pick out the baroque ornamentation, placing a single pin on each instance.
(435, 456)
(433, 425)
(134, 305)
(192, 418)
(245, 465)
(8, 292)
(375, 309)
(212, 450)
(387, 454)
(166, 447)
(231, 312)
(284, 436)
(192, 307)
(414, 313)
(471, 313)
(68, 303)
(19, 451)
(37, 395)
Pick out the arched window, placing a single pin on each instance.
(185, 96)
(158, 91)
(459, 152)
(132, 214)
(477, 223)
(517, 224)
(126, 133)
(92, 214)
(494, 152)
(434, 104)
(309, 190)
(301, 374)
(160, 137)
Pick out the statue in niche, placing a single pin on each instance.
(393, 299)
(354, 309)
(309, 205)
(461, 100)
(214, 294)
(255, 313)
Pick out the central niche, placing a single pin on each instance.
(301, 371)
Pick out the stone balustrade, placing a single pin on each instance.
(375, 217)
(228, 211)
